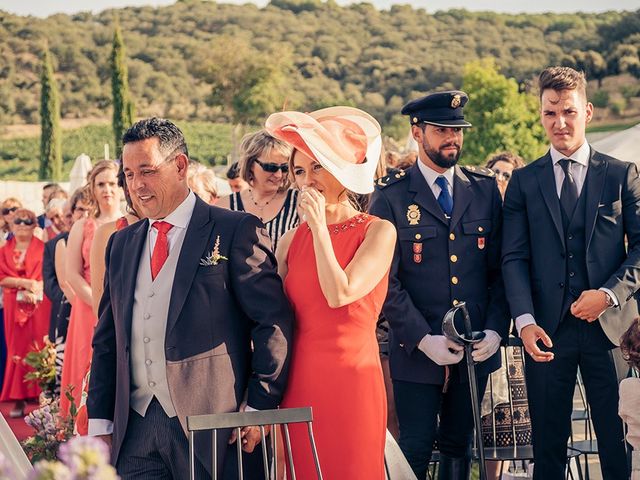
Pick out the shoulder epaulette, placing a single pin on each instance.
(476, 170)
(390, 179)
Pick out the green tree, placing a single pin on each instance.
(50, 136)
(246, 84)
(502, 117)
(123, 109)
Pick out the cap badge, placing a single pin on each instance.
(413, 214)
(455, 101)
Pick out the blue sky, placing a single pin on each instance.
(43, 8)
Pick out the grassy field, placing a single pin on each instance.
(209, 143)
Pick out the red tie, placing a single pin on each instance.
(161, 248)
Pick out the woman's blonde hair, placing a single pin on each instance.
(257, 144)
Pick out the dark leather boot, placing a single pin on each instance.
(450, 468)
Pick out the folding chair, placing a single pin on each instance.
(238, 420)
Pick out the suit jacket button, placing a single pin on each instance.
(402, 345)
(453, 258)
(454, 280)
(452, 236)
(572, 274)
(561, 284)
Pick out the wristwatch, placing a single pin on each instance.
(609, 300)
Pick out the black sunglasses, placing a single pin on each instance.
(27, 221)
(505, 175)
(273, 167)
(7, 211)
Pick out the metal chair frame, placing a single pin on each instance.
(262, 418)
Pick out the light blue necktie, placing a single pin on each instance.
(444, 199)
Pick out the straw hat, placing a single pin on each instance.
(344, 140)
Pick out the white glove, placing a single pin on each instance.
(487, 346)
(439, 349)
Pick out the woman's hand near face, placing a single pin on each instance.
(312, 207)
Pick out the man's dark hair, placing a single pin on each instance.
(233, 171)
(170, 136)
(51, 185)
(562, 78)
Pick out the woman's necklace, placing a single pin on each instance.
(259, 207)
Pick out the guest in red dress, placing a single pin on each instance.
(26, 310)
(335, 267)
(105, 197)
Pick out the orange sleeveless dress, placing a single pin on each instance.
(82, 321)
(82, 418)
(335, 365)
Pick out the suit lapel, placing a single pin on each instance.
(423, 195)
(135, 247)
(195, 243)
(594, 185)
(462, 196)
(547, 182)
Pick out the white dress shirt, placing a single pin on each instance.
(579, 168)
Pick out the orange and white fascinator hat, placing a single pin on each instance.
(344, 140)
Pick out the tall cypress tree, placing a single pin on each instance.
(50, 139)
(123, 111)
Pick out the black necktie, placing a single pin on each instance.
(569, 191)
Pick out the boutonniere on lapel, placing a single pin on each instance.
(214, 257)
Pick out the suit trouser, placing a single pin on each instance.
(156, 448)
(418, 406)
(551, 386)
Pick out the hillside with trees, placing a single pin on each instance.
(219, 62)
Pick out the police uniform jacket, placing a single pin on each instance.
(439, 262)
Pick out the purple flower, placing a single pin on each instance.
(6, 470)
(86, 457)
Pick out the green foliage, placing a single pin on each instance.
(207, 142)
(618, 106)
(247, 84)
(355, 54)
(123, 109)
(50, 146)
(600, 99)
(504, 119)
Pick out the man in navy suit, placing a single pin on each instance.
(449, 222)
(193, 319)
(569, 275)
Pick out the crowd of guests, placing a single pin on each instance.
(190, 309)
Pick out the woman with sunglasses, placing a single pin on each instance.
(26, 308)
(105, 198)
(503, 164)
(264, 166)
(495, 404)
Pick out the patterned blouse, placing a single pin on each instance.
(285, 219)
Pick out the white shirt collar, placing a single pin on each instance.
(431, 175)
(581, 155)
(182, 214)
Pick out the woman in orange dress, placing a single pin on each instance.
(26, 310)
(105, 196)
(335, 268)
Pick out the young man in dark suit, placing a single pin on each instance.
(193, 319)
(449, 222)
(569, 275)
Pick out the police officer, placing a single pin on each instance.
(449, 222)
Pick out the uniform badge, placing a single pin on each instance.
(455, 101)
(413, 214)
(481, 243)
(417, 258)
(417, 247)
